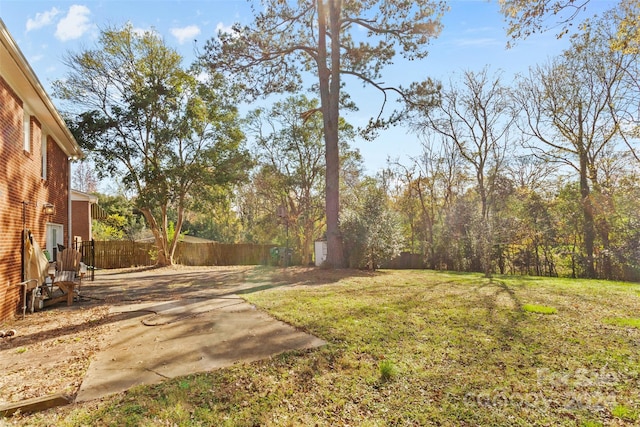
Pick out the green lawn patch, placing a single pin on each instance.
(632, 322)
(625, 413)
(413, 348)
(387, 370)
(540, 309)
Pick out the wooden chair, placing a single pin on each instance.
(69, 260)
(67, 275)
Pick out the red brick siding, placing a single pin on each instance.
(22, 190)
(58, 185)
(81, 218)
(10, 202)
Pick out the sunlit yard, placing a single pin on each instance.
(417, 348)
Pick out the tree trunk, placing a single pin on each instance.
(176, 234)
(428, 218)
(605, 265)
(486, 257)
(329, 98)
(163, 258)
(307, 244)
(605, 255)
(486, 229)
(587, 210)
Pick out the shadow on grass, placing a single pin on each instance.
(303, 276)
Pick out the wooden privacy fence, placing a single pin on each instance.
(124, 254)
(221, 254)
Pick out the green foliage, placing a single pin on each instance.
(475, 116)
(624, 412)
(109, 228)
(633, 322)
(123, 221)
(265, 60)
(525, 17)
(165, 133)
(371, 229)
(588, 81)
(564, 202)
(540, 309)
(171, 231)
(289, 150)
(387, 370)
(220, 223)
(290, 173)
(324, 39)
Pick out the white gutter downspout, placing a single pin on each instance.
(69, 204)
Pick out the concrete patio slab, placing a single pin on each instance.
(167, 339)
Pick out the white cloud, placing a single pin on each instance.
(226, 29)
(141, 32)
(75, 24)
(223, 28)
(186, 33)
(202, 77)
(42, 19)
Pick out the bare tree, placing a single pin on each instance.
(475, 115)
(567, 107)
(84, 177)
(527, 17)
(429, 186)
(290, 155)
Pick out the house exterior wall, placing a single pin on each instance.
(81, 219)
(25, 185)
(23, 191)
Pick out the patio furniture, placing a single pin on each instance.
(66, 277)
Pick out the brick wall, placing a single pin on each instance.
(58, 185)
(10, 206)
(23, 192)
(81, 219)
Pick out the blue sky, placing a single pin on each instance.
(473, 37)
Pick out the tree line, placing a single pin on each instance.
(536, 177)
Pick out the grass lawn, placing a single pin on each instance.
(416, 348)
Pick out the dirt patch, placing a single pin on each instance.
(50, 352)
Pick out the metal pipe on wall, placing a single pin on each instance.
(69, 214)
